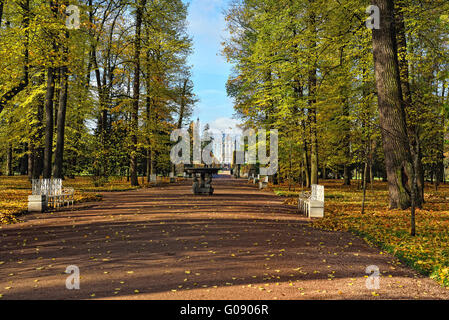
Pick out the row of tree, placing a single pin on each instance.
(343, 96)
(100, 99)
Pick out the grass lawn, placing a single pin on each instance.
(14, 193)
(428, 252)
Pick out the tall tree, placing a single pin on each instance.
(49, 100)
(136, 92)
(410, 109)
(393, 124)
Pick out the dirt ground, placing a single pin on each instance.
(164, 243)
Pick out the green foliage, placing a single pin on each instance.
(275, 47)
(99, 57)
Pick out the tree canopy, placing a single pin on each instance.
(88, 99)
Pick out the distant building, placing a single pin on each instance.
(223, 149)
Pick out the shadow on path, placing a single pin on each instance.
(165, 243)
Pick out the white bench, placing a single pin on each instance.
(263, 183)
(55, 194)
(312, 205)
(255, 179)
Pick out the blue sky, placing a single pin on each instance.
(210, 70)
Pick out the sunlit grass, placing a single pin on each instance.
(427, 252)
(14, 192)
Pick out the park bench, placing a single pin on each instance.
(312, 204)
(49, 193)
(153, 178)
(256, 179)
(252, 179)
(263, 183)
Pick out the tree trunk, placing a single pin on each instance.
(391, 109)
(365, 173)
(149, 153)
(313, 149)
(59, 152)
(9, 159)
(23, 161)
(136, 93)
(38, 163)
(149, 165)
(440, 155)
(49, 100)
(347, 175)
(62, 110)
(31, 155)
(56, 96)
(410, 111)
(346, 127)
(148, 103)
(1, 11)
(36, 151)
(49, 123)
(312, 80)
(306, 177)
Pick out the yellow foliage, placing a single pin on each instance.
(14, 192)
(427, 252)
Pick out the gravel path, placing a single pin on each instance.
(165, 243)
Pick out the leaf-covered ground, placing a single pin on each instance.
(428, 252)
(14, 193)
(163, 244)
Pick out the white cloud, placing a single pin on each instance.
(212, 92)
(225, 125)
(206, 18)
(207, 25)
